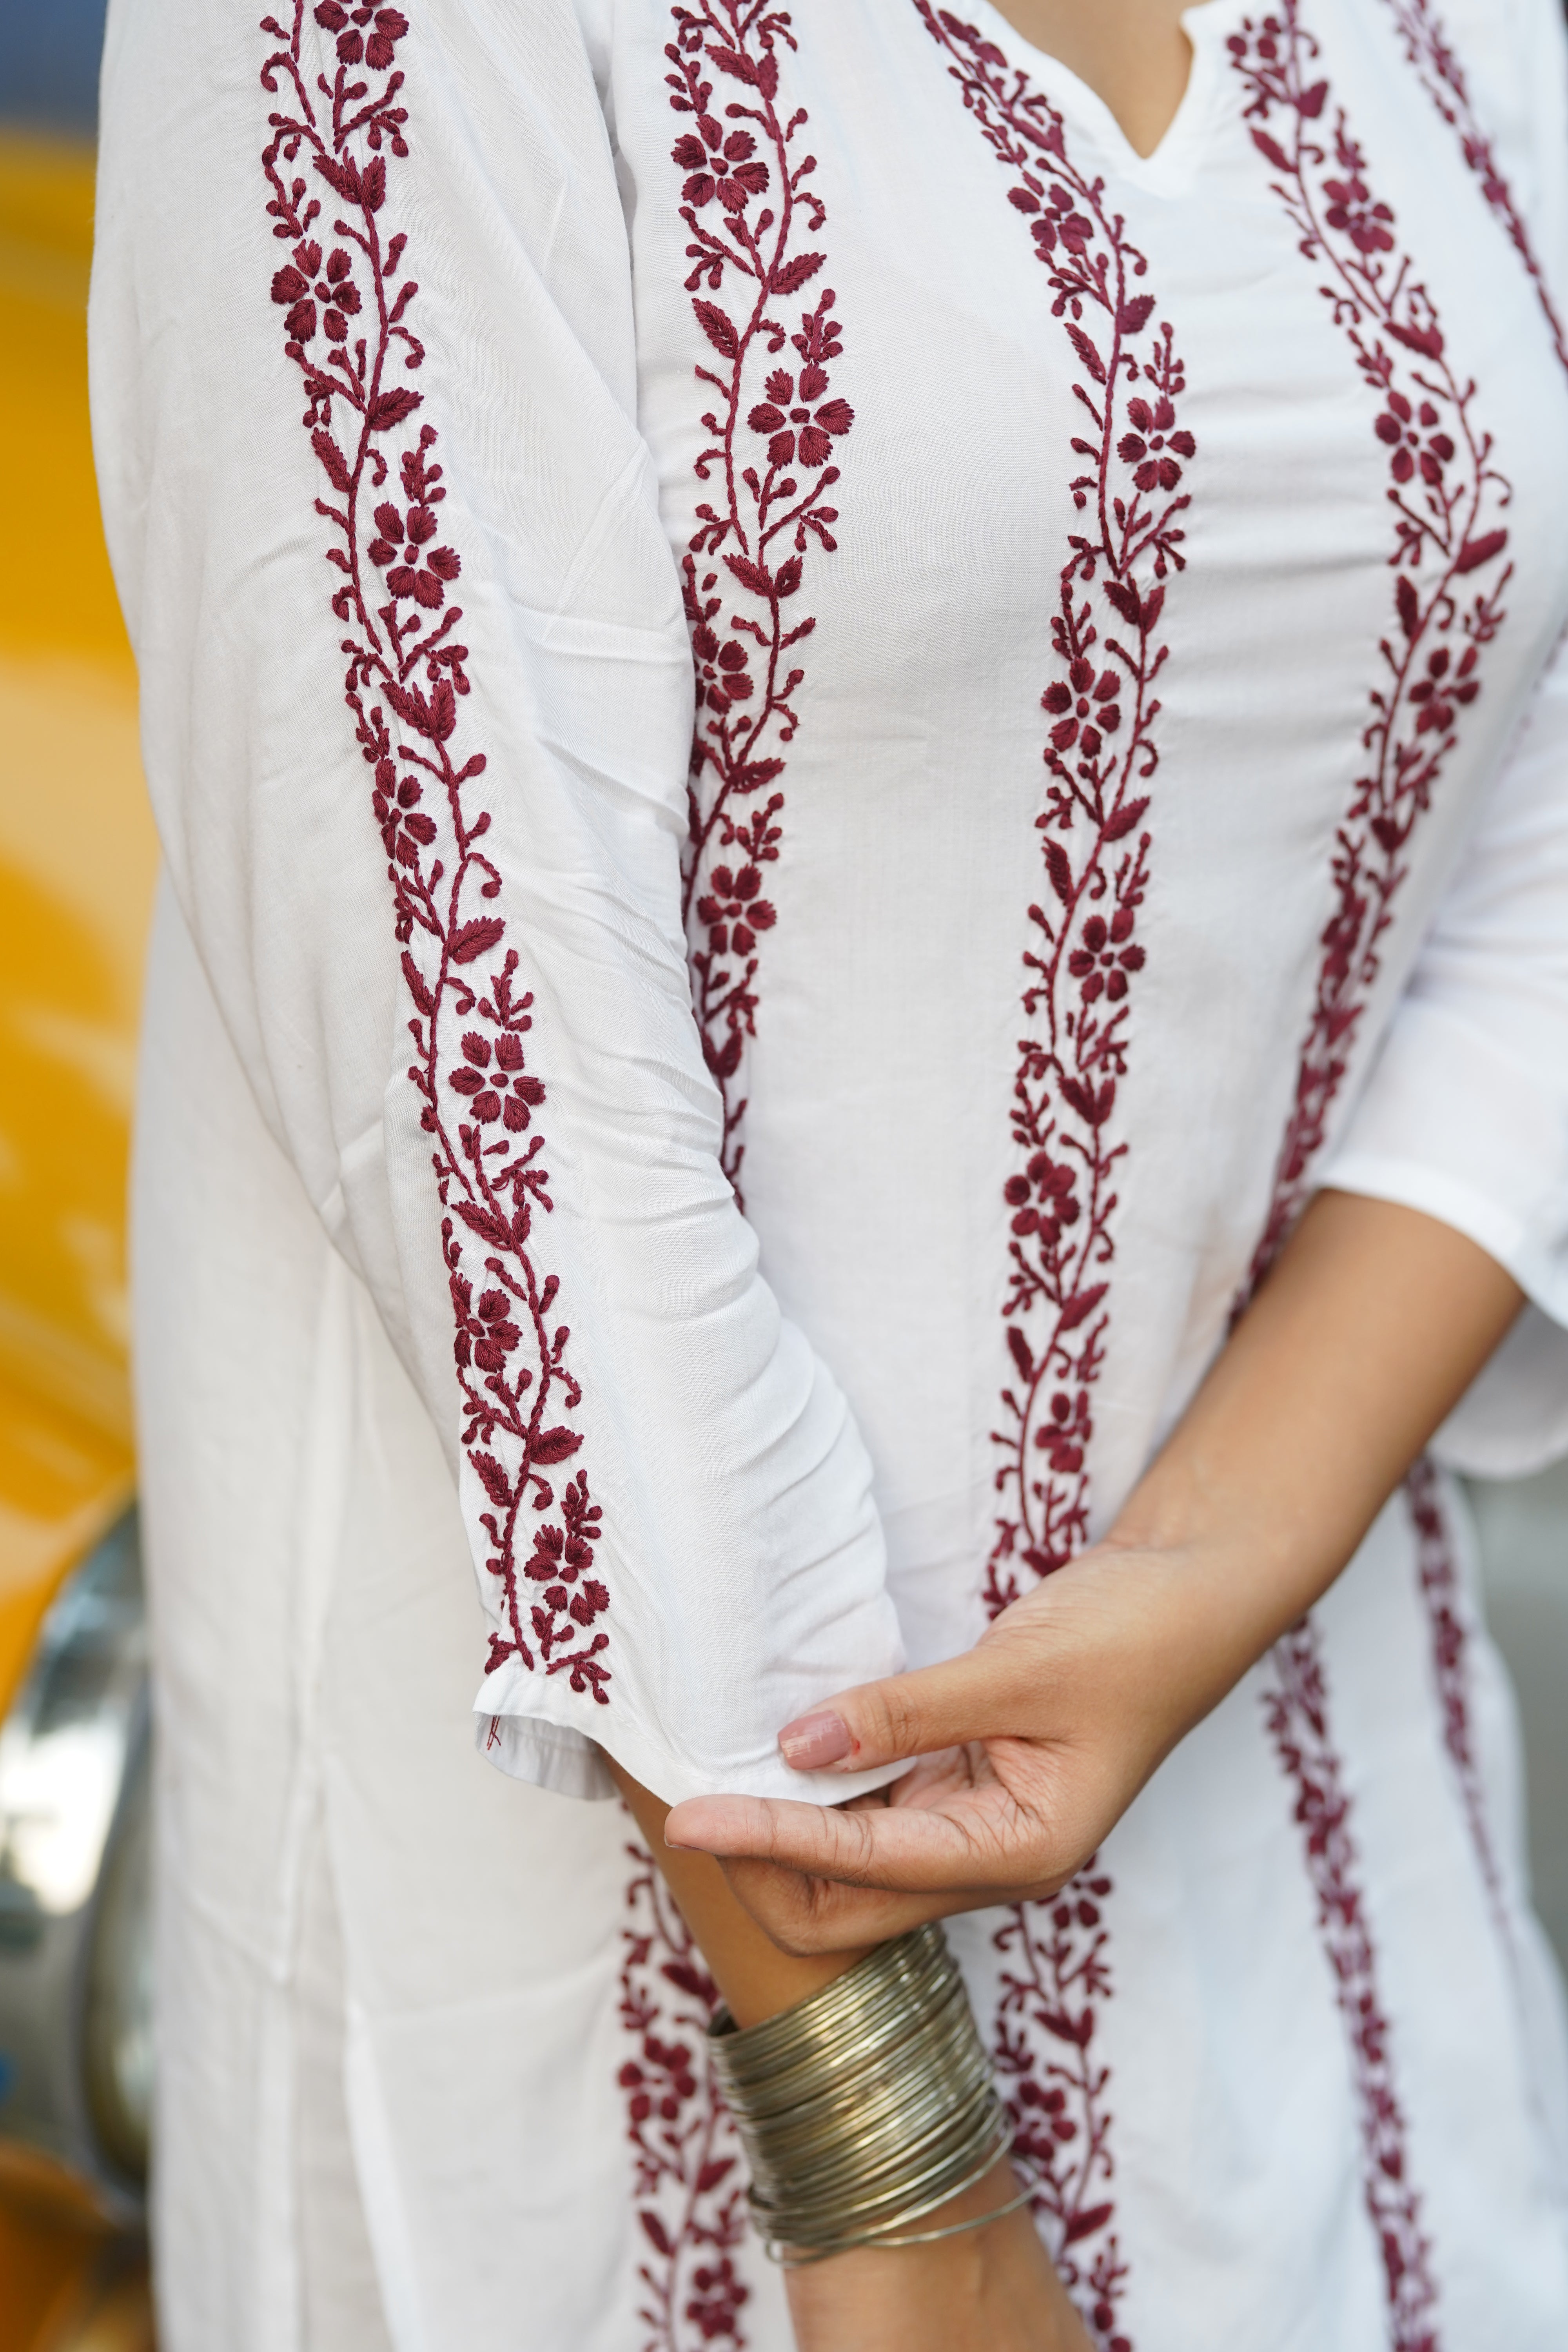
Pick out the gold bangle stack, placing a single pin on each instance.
(865, 2107)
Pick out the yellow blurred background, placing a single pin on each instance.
(78, 859)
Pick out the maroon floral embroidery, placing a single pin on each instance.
(1057, 1973)
(749, 211)
(1440, 1591)
(689, 2184)
(1298, 1717)
(1448, 559)
(1081, 969)
(1450, 541)
(1443, 77)
(345, 300)
(777, 425)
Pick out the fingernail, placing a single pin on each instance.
(814, 1740)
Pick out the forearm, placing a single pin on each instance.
(1370, 1329)
(1359, 1344)
(755, 1977)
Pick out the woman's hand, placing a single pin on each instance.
(1030, 1748)
(991, 2290)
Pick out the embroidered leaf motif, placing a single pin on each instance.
(495, 1482)
(1087, 353)
(719, 329)
(473, 938)
(1476, 551)
(751, 575)
(416, 988)
(555, 1444)
(1078, 1310)
(488, 1226)
(658, 2235)
(333, 459)
(390, 408)
(731, 61)
(1125, 820)
(794, 274)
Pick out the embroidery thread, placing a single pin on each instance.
(1100, 755)
(1447, 498)
(750, 214)
(776, 427)
(1443, 77)
(346, 324)
(1440, 1591)
(691, 2190)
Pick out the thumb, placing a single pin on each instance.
(976, 1696)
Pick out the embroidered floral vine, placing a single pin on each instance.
(1440, 1590)
(346, 299)
(1450, 572)
(775, 424)
(1443, 77)
(1447, 501)
(1081, 971)
(689, 2185)
(1297, 1708)
(750, 214)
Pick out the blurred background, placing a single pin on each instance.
(77, 865)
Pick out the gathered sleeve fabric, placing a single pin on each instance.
(1465, 1112)
(418, 708)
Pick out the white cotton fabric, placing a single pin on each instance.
(787, 1413)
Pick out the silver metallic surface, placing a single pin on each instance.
(75, 1959)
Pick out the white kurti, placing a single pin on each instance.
(626, 512)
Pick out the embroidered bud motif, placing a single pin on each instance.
(345, 299)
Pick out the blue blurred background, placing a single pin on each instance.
(48, 63)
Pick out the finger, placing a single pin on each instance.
(982, 1695)
(811, 1916)
(905, 1850)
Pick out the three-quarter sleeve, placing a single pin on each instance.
(417, 707)
(1465, 1112)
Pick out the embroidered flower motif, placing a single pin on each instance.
(815, 428)
(1103, 962)
(734, 912)
(1152, 448)
(1368, 225)
(725, 167)
(1413, 437)
(722, 676)
(1439, 696)
(1086, 703)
